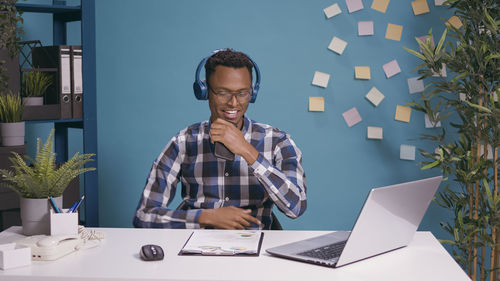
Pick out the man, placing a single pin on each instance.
(219, 193)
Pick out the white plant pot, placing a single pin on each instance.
(12, 133)
(33, 101)
(35, 214)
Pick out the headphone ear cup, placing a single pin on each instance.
(200, 90)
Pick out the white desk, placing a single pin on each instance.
(117, 258)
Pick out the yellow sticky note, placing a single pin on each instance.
(455, 22)
(420, 7)
(380, 5)
(316, 104)
(362, 72)
(394, 32)
(403, 113)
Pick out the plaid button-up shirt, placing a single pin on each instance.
(276, 178)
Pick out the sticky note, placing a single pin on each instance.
(415, 85)
(316, 104)
(380, 5)
(495, 96)
(424, 38)
(403, 113)
(332, 10)
(362, 72)
(455, 22)
(490, 151)
(337, 45)
(407, 152)
(365, 28)
(352, 117)
(439, 2)
(394, 32)
(374, 133)
(420, 7)
(391, 68)
(429, 124)
(462, 96)
(321, 79)
(354, 5)
(442, 72)
(375, 96)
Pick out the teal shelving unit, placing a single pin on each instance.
(62, 14)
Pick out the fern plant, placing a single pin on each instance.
(35, 83)
(11, 108)
(42, 177)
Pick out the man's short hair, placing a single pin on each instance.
(229, 58)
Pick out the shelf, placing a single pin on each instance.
(62, 12)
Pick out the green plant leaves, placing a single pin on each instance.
(43, 177)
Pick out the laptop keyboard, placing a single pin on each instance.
(327, 252)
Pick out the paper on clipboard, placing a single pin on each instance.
(223, 243)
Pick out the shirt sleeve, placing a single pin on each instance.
(285, 180)
(152, 211)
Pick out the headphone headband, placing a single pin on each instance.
(200, 86)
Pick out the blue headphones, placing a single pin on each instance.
(200, 86)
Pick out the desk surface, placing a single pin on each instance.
(117, 258)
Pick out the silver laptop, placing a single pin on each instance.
(387, 221)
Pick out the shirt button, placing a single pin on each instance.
(227, 198)
(226, 174)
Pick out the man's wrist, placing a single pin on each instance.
(250, 154)
(205, 217)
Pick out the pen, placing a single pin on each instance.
(53, 204)
(78, 204)
(72, 207)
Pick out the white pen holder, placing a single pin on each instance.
(63, 223)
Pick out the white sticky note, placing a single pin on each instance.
(495, 96)
(352, 117)
(415, 85)
(337, 45)
(407, 152)
(429, 124)
(391, 68)
(441, 73)
(374, 133)
(332, 10)
(365, 28)
(439, 2)
(490, 151)
(321, 79)
(354, 5)
(462, 96)
(375, 96)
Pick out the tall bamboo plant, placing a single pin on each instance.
(10, 33)
(470, 96)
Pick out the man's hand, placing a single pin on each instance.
(225, 132)
(227, 218)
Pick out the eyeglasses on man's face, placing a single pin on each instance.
(226, 96)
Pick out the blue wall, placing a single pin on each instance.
(147, 52)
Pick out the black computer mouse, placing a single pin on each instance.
(151, 253)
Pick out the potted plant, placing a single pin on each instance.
(467, 149)
(37, 179)
(11, 123)
(34, 85)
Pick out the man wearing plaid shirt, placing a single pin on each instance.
(217, 193)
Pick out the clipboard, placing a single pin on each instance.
(223, 243)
